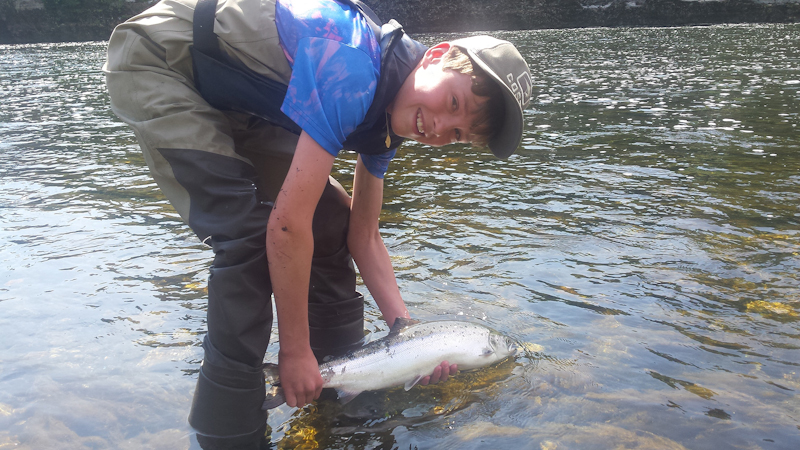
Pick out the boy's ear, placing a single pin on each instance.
(434, 54)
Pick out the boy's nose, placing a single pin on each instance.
(437, 126)
(443, 124)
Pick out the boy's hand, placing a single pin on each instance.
(440, 373)
(300, 378)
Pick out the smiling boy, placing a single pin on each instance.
(241, 108)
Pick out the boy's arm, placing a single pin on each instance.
(372, 258)
(290, 246)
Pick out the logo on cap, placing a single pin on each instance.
(521, 87)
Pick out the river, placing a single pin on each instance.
(643, 247)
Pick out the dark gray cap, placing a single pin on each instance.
(503, 63)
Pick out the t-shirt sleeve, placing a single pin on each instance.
(331, 89)
(378, 164)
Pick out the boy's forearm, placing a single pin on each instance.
(290, 242)
(375, 267)
(367, 247)
(289, 256)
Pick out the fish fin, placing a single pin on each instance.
(271, 376)
(273, 399)
(346, 396)
(402, 323)
(411, 383)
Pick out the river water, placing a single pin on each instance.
(643, 247)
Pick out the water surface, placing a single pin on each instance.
(643, 247)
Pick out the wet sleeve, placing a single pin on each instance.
(331, 89)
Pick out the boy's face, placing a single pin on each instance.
(435, 106)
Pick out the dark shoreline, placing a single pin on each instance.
(93, 20)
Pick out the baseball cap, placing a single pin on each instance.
(502, 62)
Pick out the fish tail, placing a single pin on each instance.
(274, 397)
(271, 375)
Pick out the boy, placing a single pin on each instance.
(293, 82)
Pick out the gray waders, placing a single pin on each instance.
(221, 171)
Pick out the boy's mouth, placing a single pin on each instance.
(420, 124)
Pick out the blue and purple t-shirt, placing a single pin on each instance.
(335, 61)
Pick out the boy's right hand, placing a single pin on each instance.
(300, 377)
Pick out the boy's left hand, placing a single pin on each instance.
(440, 373)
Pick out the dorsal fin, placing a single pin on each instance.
(401, 323)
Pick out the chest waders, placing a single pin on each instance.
(230, 389)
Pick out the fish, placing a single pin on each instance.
(406, 355)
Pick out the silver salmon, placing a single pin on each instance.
(407, 354)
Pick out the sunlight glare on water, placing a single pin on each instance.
(643, 247)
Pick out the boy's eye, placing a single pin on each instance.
(458, 135)
(455, 104)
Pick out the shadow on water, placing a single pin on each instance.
(643, 247)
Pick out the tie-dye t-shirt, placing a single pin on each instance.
(335, 61)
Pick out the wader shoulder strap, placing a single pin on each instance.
(204, 38)
(227, 85)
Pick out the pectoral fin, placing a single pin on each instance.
(345, 396)
(411, 383)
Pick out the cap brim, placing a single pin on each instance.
(506, 141)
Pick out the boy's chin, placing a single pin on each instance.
(406, 134)
(413, 137)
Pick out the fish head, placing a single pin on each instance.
(501, 346)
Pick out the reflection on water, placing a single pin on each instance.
(643, 247)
